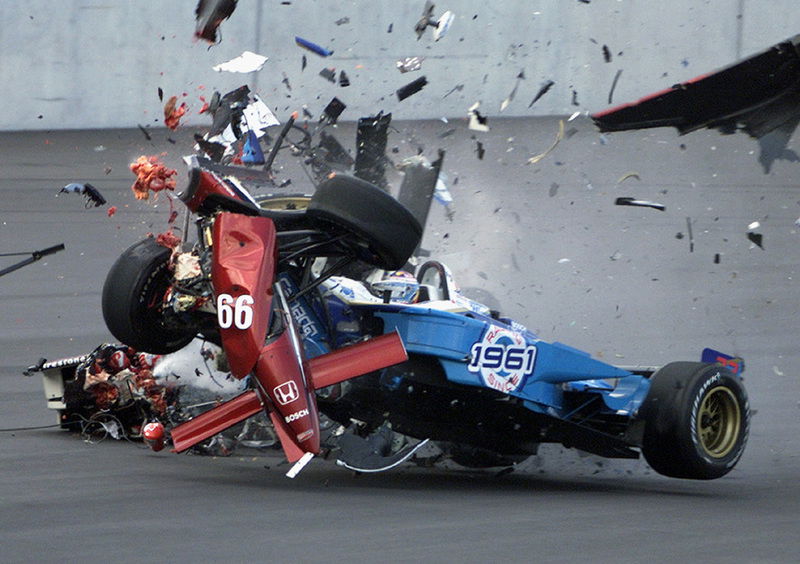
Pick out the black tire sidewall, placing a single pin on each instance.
(671, 442)
(372, 216)
(128, 285)
(712, 378)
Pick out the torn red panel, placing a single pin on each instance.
(173, 113)
(112, 210)
(151, 176)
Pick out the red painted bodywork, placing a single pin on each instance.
(209, 183)
(280, 379)
(245, 253)
(216, 420)
(281, 376)
(348, 362)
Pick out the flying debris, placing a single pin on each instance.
(371, 139)
(614, 85)
(251, 150)
(477, 122)
(93, 196)
(504, 104)
(244, 63)
(627, 201)
(420, 184)
(328, 74)
(440, 25)
(344, 80)
(410, 64)
(480, 150)
(411, 88)
(151, 175)
(456, 88)
(333, 153)
(209, 14)
(755, 238)
(606, 54)
(342, 21)
(173, 113)
(628, 175)
(759, 95)
(35, 255)
(144, 132)
(160, 94)
(542, 91)
(313, 47)
(333, 110)
(559, 136)
(234, 115)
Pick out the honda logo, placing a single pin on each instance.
(286, 392)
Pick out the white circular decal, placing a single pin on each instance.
(503, 359)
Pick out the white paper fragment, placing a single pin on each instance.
(258, 117)
(753, 226)
(563, 260)
(573, 116)
(246, 62)
(299, 465)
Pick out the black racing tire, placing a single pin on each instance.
(132, 297)
(697, 419)
(382, 228)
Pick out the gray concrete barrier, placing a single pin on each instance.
(99, 64)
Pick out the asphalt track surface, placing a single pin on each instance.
(543, 242)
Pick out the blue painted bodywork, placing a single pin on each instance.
(477, 350)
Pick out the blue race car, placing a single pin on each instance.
(487, 391)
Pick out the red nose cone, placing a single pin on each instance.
(153, 435)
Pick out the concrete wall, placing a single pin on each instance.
(99, 63)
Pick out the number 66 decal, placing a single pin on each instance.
(237, 312)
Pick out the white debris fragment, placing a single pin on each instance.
(258, 116)
(573, 116)
(476, 121)
(753, 226)
(563, 260)
(410, 64)
(299, 465)
(246, 62)
(441, 193)
(443, 25)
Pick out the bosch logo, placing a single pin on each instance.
(503, 359)
(286, 393)
(296, 415)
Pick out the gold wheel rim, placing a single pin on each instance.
(285, 203)
(719, 422)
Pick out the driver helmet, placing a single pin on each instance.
(400, 285)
